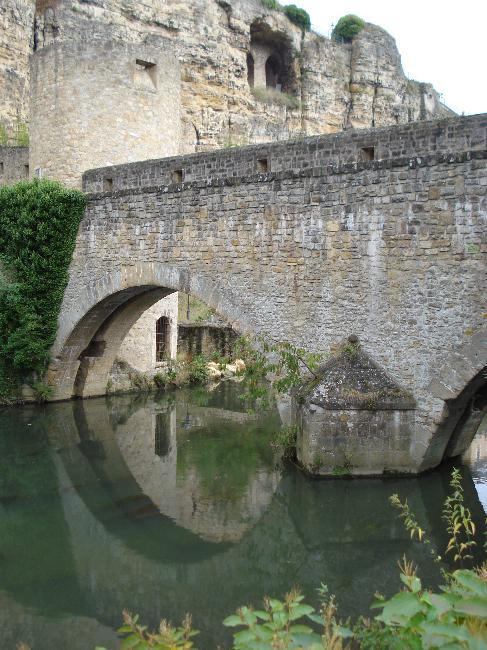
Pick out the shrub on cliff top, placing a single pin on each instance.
(38, 225)
(298, 16)
(347, 27)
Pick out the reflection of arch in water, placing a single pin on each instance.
(94, 459)
(148, 442)
(306, 535)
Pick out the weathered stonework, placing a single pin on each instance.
(138, 349)
(88, 108)
(205, 338)
(353, 418)
(94, 105)
(14, 164)
(316, 249)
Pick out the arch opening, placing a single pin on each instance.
(465, 414)
(97, 358)
(91, 356)
(273, 72)
(271, 62)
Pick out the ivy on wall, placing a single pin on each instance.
(38, 225)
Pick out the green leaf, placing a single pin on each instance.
(300, 610)
(232, 621)
(472, 607)
(412, 582)
(244, 636)
(399, 608)
(344, 632)
(264, 616)
(300, 629)
(471, 581)
(440, 603)
(130, 642)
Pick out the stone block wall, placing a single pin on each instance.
(205, 338)
(417, 140)
(138, 349)
(14, 164)
(334, 86)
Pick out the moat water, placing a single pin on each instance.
(177, 503)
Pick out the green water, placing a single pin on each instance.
(177, 503)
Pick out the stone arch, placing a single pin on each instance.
(462, 385)
(92, 327)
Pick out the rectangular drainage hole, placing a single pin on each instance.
(262, 165)
(107, 184)
(368, 153)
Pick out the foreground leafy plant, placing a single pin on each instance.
(275, 626)
(167, 637)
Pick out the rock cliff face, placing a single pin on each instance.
(16, 42)
(248, 74)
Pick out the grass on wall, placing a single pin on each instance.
(39, 221)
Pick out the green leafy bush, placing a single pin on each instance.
(347, 27)
(298, 16)
(197, 370)
(38, 225)
(167, 375)
(285, 440)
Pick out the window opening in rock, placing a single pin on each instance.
(162, 330)
(107, 184)
(26, 171)
(145, 74)
(273, 73)
(262, 165)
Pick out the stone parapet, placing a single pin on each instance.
(424, 143)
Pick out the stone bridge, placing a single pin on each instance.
(374, 233)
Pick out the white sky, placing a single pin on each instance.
(441, 42)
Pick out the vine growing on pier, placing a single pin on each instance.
(39, 220)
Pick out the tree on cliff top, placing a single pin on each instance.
(347, 27)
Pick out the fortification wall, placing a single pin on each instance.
(14, 164)
(357, 147)
(327, 86)
(334, 85)
(101, 103)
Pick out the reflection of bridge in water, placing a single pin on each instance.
(144, 533)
